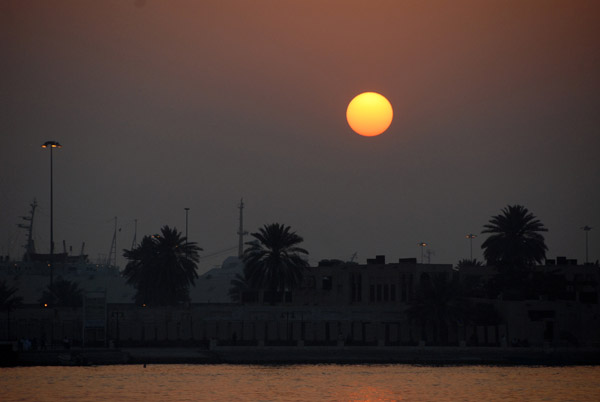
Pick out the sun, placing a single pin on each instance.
(369, 114)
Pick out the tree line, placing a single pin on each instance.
(164, 266)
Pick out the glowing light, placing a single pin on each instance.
(369, 114)
(51, 144)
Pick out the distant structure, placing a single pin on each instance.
(586, 228)
(112, 254)
(30, 246)
(241, 231)
(422, 245)
(134, 241)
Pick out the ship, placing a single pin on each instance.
(33, 273)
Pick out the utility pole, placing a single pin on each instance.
(241, 232)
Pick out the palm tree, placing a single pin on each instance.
(439, 305)
(274, 261)
(63, 293)
(515, 239)
(162, 268)
(8, 301)
(469, 263)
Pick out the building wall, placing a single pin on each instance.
(340, 303)
(373, 285)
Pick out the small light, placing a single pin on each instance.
(51, 144)
(45, 305)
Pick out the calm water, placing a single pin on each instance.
(300, 383)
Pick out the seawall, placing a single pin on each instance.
(308, 355)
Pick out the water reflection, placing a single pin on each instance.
(368, 393)
(299, 383)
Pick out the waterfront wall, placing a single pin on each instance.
(530, 323)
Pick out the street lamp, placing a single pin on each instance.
(186, 230)
(51, 145)
(471, 236)
(422, 245)
(586, 228)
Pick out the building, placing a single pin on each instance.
(373, 304)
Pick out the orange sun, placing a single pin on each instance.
(369, 114)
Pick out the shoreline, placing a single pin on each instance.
(422, 355)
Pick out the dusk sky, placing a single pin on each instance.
(162, 105)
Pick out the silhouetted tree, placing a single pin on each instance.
(274, 260)
(63, 293)
(8, 301)
(514, 246)
(162, 268)
(469, 263)
(515, 240)
(439, 304)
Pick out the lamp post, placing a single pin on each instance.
(51, 145)
(186, 223)
(186, 230)
(587, 229)
(471, 236)
(422, 245)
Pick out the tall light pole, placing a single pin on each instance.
(241, 233)
(186, 230)
(422, 245)
(587, 229)
(471, 236)
(51, 145)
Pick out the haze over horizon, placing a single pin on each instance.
(163, 105)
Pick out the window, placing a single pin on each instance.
(355, 287)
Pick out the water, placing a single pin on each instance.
(300, 383)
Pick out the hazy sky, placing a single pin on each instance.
(162, 105)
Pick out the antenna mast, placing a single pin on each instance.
(113, 248)
(134, 235)
(241, 232)
(30, 246)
